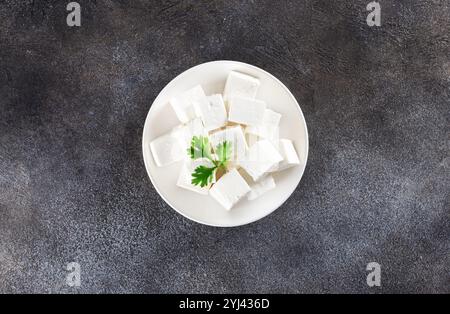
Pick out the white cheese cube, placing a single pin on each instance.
(187, 131)
(271, 118)
(269, 126)
(290, 157)
(264, 132)
(246, 111)
(235, 137)
(166, 150)
(185, 177)
(260, 158)
(239, 84)
(263, 185)
(274, 167)
(229, 189)
(251, 138)
(211, 110)
(274, 139)
(183, 105)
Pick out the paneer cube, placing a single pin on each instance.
(260, 158)
(185, 132)
(239, 84)
(251, 138)
(183, 105)
(263, 132)
(185, 177)
(271, 118)
(235, 137)
(246, 111)
(229, 189)
(263, 185)
(290, 157)
(269, 126)
(211, 110)
(166, 150)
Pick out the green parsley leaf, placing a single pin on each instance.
(203, 176)
(200, 148)
(223, 151)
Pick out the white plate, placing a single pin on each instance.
(204, 209)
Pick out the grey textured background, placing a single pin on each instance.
(73, 185)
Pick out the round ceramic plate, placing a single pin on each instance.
(203, 208)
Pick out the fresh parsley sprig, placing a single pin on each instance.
(203, 175)
(223, 151)
(201, 148)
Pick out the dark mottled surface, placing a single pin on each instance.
(73, 186)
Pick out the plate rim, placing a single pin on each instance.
(283, 200)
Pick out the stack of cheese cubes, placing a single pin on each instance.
(237, 117)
